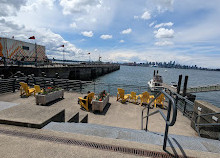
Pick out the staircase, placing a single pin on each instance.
(76, 117)
(141, 136)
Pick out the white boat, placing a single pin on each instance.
(156, 84)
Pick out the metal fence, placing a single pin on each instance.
(183, 104)
(12, 84)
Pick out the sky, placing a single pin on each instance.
(185, 31)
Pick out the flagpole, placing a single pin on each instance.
(36, 51)
(63, 56)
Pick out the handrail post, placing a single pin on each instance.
(80, 87)
(148, 109)
(184, 109)
(108, 88)
(94, 87)
(13, 85)
(167, 127)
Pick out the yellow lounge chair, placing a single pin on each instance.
(121, 95)
(145, 97)
(25, 90)
(85, 102)
(133, 97)
(159, 100)
(37, 89)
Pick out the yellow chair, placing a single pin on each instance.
(85, 102)
(133, 97)
(159, 100)
(121, 95)
(145, 97)
(25, 90)
(37, 89)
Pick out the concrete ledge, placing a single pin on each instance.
(31, 116)
(203, 107)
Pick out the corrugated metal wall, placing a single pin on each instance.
(16, 50)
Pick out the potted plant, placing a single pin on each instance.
(101, 101)
(49, 94)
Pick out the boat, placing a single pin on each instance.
(156, 84)
(174, 85)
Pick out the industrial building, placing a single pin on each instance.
(15, 50)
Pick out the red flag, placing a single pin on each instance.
(62, 45)
(32, 37)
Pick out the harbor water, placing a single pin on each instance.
(139, 76)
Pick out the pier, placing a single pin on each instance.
(74, 72)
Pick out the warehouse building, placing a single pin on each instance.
(15, 50)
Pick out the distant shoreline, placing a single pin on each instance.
(172, 67)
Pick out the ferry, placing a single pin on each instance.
(156, 84)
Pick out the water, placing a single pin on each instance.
(139, 76)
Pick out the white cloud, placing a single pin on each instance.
(87, 33)
(76, 6)
(121, 41)
(151, 24)
(146, 15)
(163, 24)
(106, 36)
(136, 17)
(163, 43)
(164, 33)
(163, 5)
(127, 31)
(73, 25)
(10, 7)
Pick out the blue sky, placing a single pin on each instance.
(119, 30)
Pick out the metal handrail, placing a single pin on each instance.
(205, 124)
(166, 118)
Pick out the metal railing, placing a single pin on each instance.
(182, 103)
(171, 104)
(12, 84)
(205, 124)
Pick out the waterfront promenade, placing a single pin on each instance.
(115, 114)
(126, 117)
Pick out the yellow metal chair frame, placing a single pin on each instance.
(87, 101)
(25, 90)
(159, 100)
(38, 89)
(121, 95)
(145, 97)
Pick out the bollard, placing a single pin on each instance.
(185, 86)
(178, 87)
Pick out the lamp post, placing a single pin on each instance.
(89, 57)
(63, 53)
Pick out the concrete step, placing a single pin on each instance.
(76, 117)
(73, 118)
(176, 141)
(83, 117)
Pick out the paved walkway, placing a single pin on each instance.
(115, 114)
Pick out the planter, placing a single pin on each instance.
(44, 99)
(100, 105)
